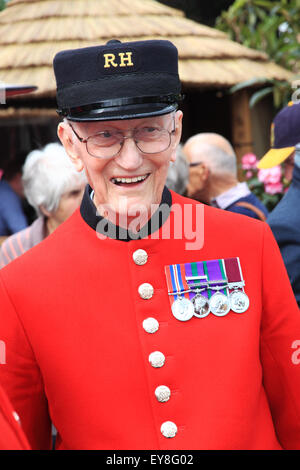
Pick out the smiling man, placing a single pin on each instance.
(117, 329)
(130, 164)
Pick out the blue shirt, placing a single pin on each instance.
(240, 193)
(12, 217)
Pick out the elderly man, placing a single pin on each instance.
(119, 326)
(213, 176)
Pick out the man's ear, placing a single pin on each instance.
(64, 133)
(177, 134)
(203, 172)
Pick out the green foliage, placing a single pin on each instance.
(3, 4)
(268, 26)
(272, 27)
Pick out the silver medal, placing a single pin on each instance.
(219, 304)
(183, 309)
(201, 306)
(239, 301)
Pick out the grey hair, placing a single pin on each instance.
(47, 174)
(178, 173)
(218, 160)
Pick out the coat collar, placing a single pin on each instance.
(89, 214)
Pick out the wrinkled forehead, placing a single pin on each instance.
(92, 127)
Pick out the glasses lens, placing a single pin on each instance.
(152, 139)
(105, 144)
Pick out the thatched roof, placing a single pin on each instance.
(32, 31)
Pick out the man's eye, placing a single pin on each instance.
(106, 134)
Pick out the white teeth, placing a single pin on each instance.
(129, 180)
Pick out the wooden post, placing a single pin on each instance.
(242, 140)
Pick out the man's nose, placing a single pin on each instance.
(129, 156)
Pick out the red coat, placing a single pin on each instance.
(12, 436)
(72, 319)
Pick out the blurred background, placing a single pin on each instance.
(239, 61)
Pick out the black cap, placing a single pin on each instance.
(117, 80)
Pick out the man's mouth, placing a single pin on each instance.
(129, 181)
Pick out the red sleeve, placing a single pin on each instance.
(12, 436)
(21, 377)
(280, 336)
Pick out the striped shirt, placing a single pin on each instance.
(19, 242)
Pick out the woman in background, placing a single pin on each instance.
(54, 189)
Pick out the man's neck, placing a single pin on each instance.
(219, 186)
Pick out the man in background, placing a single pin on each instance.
(213, 176)
(284, 220)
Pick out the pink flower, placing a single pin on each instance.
(248, 174)
(273, 188)
(249, 161)
(270, 175)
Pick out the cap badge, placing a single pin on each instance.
(122, 59)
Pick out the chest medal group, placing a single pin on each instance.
(200, 288)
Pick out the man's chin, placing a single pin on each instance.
(127, 214)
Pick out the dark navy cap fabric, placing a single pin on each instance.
(286, 126)
(117, 80)
(285, 135)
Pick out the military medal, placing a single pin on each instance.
(181, 306)
(197, 281)
(239, 301)
(198, 288)
(201, 306)
(219, 304)
(182, 309)
(217, 281)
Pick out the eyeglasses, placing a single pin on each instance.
(108, 143)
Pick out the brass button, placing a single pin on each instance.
(140, 257)
(146, 291)
(162, 393)
(150, 325)
(157, 359)
(168, 429)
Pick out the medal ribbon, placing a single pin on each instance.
(195, 270)
(227, 270)
(176, 281)
(214, 270)
(233, 270)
